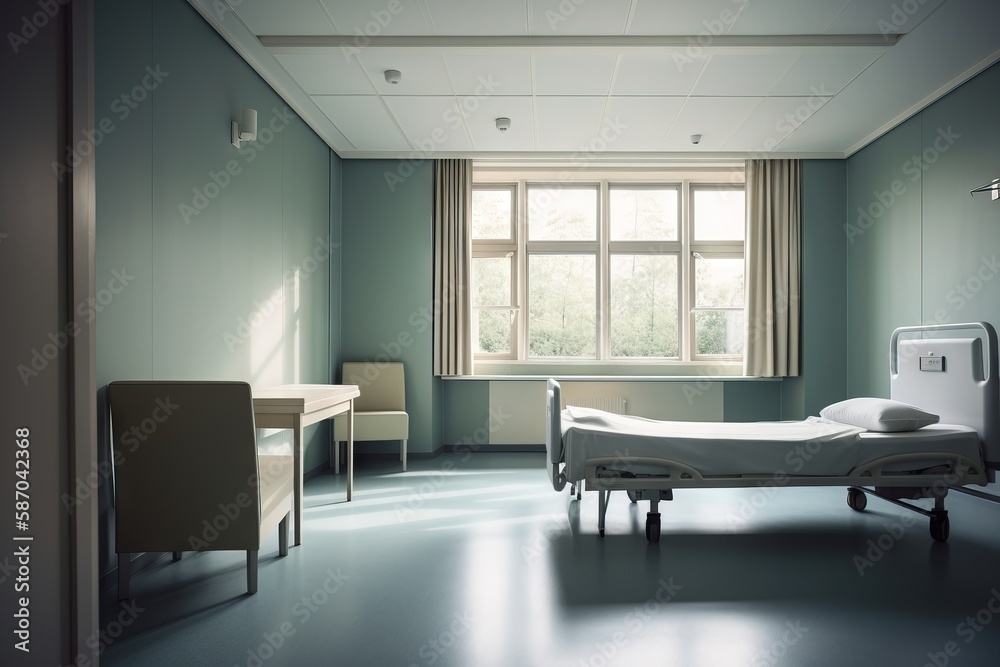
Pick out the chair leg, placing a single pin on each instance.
(177, 556)
(124, 571)
(251, 572)
(336, 457)
(283, 536)
(402, 453)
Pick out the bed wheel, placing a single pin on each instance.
(653, 527)
(632, 496)
(857, 500)
(940, 526)
(578, 492)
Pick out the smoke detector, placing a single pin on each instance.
(503, 124)
(393, 76)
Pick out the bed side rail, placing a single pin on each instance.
(553, 435)
(966, 471)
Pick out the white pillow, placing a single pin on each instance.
(878, 414)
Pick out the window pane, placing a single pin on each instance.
(562, 308)
(719, 215)
(643, 214)
(718, 282)
(718, 332)
(494, 331)
(491, 281)
(644, 306)
(559, 213)
(491, 214)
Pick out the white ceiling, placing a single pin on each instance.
(625, 79)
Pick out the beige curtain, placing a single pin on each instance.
(452, 267)
(773, 190)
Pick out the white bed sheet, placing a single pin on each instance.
(814, 446)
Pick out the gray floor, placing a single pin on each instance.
(475, 560)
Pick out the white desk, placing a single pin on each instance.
(296, 406)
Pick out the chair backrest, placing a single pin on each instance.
(185, 464)
(382, 384)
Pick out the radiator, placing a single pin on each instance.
(615, 404)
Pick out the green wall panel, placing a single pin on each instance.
(387, 279)
(883, 230)
(748, 401)
(961, 233)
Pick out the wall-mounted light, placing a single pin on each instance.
(246, 129)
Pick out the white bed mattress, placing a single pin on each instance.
(815, 446)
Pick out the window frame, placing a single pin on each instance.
(686, 180)
(492, 249)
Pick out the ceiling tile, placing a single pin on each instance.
(822, 74)
(714, 118)
(787, 17)
(477, 17)
(294, 17)
(364, 121)
(881, 17)
(376, 17)
(745, 74)
(327, 74)
(423, 73)
(639, 123)
(682, 17)
(568, 123)
(431, 123)
(572, 73)
(481, 115)
(661, 72)
(565, 17)
(494, 74)
(771, 121)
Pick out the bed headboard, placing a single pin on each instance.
(955, 378)
(553, 434)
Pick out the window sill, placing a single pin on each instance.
(608, 372)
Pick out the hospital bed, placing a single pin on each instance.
(954, 378)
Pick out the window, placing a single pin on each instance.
(611, 266)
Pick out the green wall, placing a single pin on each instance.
(931, 254)
(823, 378)
(226, 255)
(387, 298)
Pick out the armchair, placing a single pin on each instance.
(188, 476)
(380, 410)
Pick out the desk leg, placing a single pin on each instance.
(350, 450)
(297, 480)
